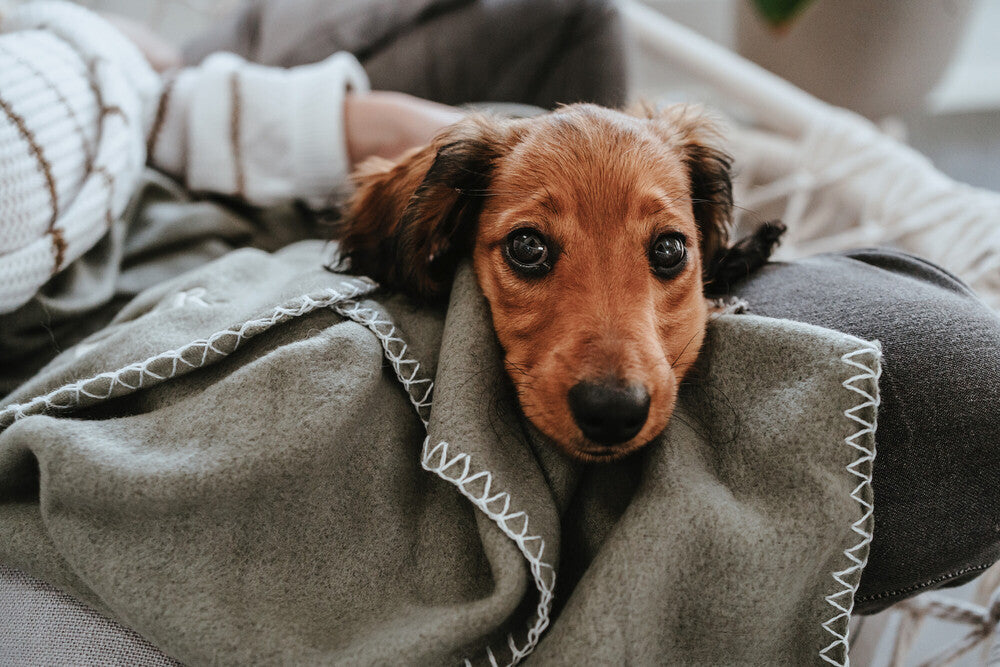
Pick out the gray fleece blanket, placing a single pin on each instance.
(246, 467)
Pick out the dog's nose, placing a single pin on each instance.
(609, 412)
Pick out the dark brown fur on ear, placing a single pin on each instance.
(409, 221)
(708, 166)
(736, 263)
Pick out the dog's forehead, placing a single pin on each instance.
(591, 134)
(593, 164)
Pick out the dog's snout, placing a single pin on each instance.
(609, 412)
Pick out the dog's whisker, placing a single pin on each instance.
(684, 349)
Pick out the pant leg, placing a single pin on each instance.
(936, 479)
(537, 52)
(285, 33)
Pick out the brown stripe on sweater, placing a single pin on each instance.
(58, 248)
(50, 84)
(116, 110)
(91, 65)
(109, 181)
(236, 112)
(36, 150)
(161, 116)
(106, 110)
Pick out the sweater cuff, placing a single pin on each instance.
(166, 145)
(264, 134)
(319, 144)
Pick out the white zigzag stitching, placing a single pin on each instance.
(843, 600)
(497, 506)
(419, 390)
(395, 348)
(190, 356)
(513, 524)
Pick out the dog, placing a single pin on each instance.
(595, 236)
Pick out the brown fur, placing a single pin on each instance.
(599, 183)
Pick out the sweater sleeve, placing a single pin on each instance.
(76, 99)
(264, 134)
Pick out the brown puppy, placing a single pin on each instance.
(590, 232)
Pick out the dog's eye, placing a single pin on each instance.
(668, 255)
(527, 252)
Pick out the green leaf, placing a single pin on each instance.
(778, 12)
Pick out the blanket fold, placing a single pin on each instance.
(250, 465)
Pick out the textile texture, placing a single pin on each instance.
(238, 468)
(937, 494)
(264, 135)
(538, 52)
(75, 101)
(44, 626)
(164, 233)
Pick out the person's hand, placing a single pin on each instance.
(387, 123)
(160, 53)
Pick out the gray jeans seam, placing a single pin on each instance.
(925, 584)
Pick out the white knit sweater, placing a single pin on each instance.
(80, 109)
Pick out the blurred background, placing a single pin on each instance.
(928, 72)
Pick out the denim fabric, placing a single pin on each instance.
(936, 479)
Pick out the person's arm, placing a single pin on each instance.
(387, 123)
(267, 134)
(259, 133)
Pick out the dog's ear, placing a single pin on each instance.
(410, 220)
(694, 133)
(734, 264)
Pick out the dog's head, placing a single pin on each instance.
(590, 232)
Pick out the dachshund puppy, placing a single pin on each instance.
(593, 234)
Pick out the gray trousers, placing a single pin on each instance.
(537, 52)
(937, 468)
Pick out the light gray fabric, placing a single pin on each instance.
(164, 232)
(936, 482)
(233, 469)
(44, 626)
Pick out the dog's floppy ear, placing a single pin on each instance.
(691, 130)
(732, 265)
(410, 220)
